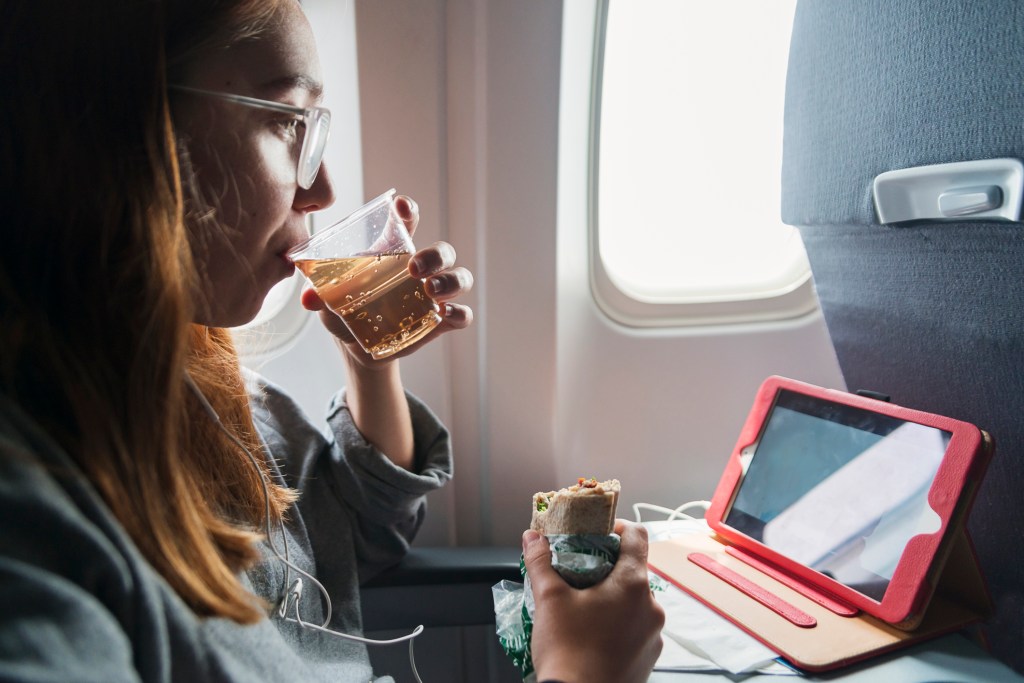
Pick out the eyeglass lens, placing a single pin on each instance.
(313, 147)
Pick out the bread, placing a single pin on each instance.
(587, 507)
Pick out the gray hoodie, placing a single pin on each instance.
(80, 603)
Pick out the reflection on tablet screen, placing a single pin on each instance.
(839, 489)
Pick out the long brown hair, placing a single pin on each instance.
(96, 278)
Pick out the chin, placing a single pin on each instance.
(248, 317)
(236, 316)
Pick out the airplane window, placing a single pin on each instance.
(688, 113)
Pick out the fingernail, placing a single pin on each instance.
(410, 205)
(433, 287)
(418, 265)
(529, 538)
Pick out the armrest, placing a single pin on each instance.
(438, 587)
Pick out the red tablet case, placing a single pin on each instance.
(937, 587)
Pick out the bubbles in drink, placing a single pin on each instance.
(382, 306)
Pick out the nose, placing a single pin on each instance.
(320, 194)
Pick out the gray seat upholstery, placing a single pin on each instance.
(439, 587)
(447, 590)
(931, 313)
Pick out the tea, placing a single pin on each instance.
(383, 306)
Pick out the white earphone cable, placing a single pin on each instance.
(294, 590)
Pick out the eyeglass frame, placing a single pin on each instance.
(309, 115)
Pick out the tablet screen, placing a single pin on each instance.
(837, 488)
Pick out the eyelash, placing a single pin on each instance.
(289, 126)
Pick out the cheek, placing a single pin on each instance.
(249, 183)
(276, 160)
(251, 190)
(240, 174)
(266, 186)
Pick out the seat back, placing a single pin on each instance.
(930, 312)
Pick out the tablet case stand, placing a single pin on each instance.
(960, 599)
(834, 640)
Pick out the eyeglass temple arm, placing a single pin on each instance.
(242, 99)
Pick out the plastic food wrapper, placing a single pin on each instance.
(583, 560)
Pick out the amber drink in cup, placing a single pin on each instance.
(360, 268)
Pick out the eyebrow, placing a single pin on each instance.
(290, 82)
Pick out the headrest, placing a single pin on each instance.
(879, 85)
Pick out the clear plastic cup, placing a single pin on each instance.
(360, 268)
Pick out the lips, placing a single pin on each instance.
(294, 238)
(287, 266)
(283, 266)
(291, 243)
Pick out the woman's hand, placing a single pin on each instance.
(609, 633)
(444, 281)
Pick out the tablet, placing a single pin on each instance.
(850, 494)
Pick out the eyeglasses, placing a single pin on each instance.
(315, 120)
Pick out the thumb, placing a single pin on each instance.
(311, 301)
(537, 560)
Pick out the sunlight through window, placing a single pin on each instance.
(691, 107)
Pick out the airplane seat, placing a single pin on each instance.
(924, 303)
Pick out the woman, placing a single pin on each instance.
(147, 488)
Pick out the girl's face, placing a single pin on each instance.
(244, 160)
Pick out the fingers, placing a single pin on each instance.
(436, 266)
(633, 545)
(457, 316)
(436, 258)
(630, 571)
(449, 284)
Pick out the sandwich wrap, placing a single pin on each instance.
(578, 522)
